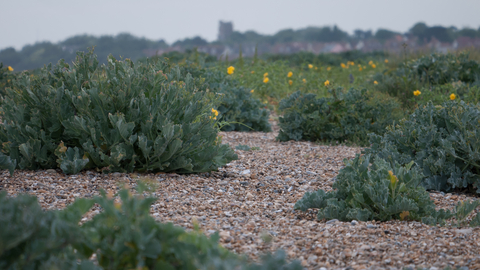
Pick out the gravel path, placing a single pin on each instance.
(250, 202)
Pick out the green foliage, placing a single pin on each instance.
(380, 190)
(443, 141)
(469, 93)
(427, 72)
(300, 59)
(175, 57)
(438, 69)
(6, 77)
(350, 115)
(365, 191)
(33, 239)
(245, 147)
(238, 107)
(122, 236)
(42, 53)
(119, 117)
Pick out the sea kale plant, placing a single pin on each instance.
(368, 189)
(115, 117)
(238, 107)
(122, 236)
(426, 74)
(443, 141)
(349, 115)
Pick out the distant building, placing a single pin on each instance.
(225, 29)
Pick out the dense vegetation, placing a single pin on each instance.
(418, 116)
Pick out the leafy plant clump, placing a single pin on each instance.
(443, 141)
(380, 191)
(350, 115)
(118, 117)
(238, 107)
(122, 236)
(428, 72)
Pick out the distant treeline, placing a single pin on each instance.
(128, 46)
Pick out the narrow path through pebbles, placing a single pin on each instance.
(250, 202)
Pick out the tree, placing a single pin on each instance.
(467, 32)
(384, 34)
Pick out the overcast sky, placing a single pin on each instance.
(29, 21)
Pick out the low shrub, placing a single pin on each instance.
(122, 236)
(118, 117)
(427, 72)
(469, 93)
(6, 77)
(438, 69)
(380, 190)
(237, 107)
(347, 115)
(443, 141)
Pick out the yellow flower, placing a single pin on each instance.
(252, 71)
(393, 178)
(360, 69)
(265, 80)
(215, 112)
(404, 215)
(364, 67)
(343, 65)
(327, 83)
(251, 91)
(416, 93)
(374, 66)
(118, 205)
(386, 61)
(10, 68)
(310, 66)
(290, 74)
(375, 82)
(328, 68)
(452, 97)
(265, 74)
(370, 62)
(230, 70)
(290, 82)
(316, 68)
(304, 81)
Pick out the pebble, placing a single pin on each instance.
(51, 171)
(223, 183)
(354, 222)
(116, 174)
(244, 172)
(464, 231)
(332, 221)
(224, 234)
(370, 226)
(312, 259)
